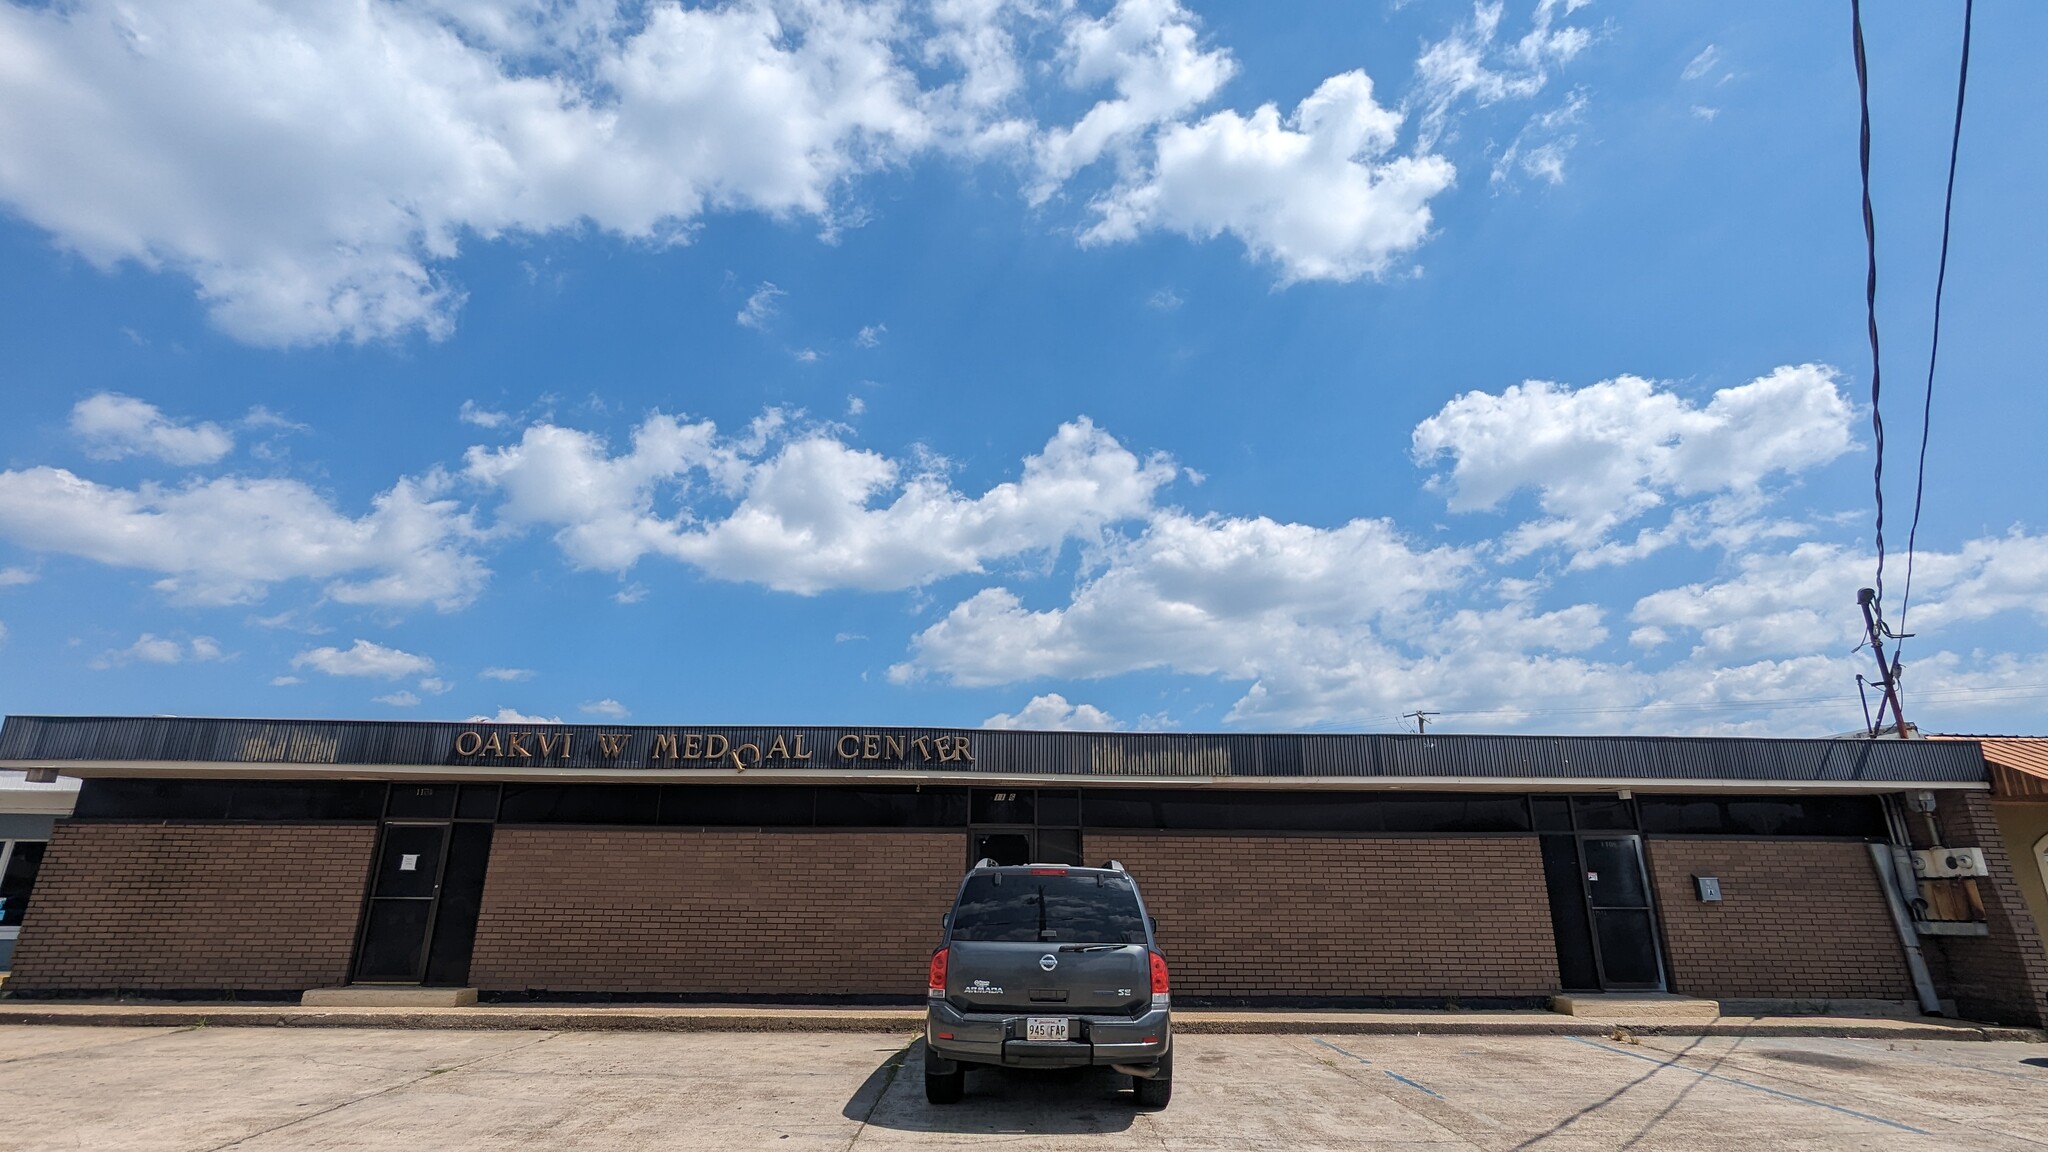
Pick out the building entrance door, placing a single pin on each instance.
(403, 891)
(1600, 903)
(426, 884)
(1618, 902)
(1024, 826)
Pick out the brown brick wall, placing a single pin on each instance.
(1797, 920)
(257, 907)
(732, 913)
(2002, 977)
(1341, 917)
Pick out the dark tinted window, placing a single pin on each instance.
(1020, 907)
(478, 802)
(430, 801)
(1861, 817)
(1059, 809)
(153, 800)
(1551, 813)
(288, 800)
(1231, 811)
(255, 800)
(579, 804)
(1003, 805)
(1603, 814)
(891, 808)
(1059, 845)
(739, 805)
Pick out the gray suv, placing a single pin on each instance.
(1048, 966)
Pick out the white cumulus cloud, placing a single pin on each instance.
(226, 540)
(1607, 453)
(310, 168)
(364, 658)
(816, 512)
(1314, 192)
(608, 708)
(113, 426)
(506, 715)
(507, 675)
(1052, 713)
(1148, 51)
(477, 414)
(150, 648)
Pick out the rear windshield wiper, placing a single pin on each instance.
(1091, 947)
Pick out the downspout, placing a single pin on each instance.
(1909, 939)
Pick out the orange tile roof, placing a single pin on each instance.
(2018, 765)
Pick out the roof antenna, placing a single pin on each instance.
(1421, 720)
(1887, 671)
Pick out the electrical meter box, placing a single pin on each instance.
(1938, 863)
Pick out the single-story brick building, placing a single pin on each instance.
(258, 858)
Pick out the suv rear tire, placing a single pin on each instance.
(943, 1087)
(1157, 1091)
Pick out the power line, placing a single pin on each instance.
(1870, 281)
(1955, 144)
(2002, 692)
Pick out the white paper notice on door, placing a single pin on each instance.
(409, 863)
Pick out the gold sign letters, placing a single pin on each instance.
(712, 749)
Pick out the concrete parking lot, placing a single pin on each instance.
(276, 1088)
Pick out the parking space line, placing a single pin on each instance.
(1413, 1084)
(1420, 1087)
(1752, 1086)
(1334, 1048)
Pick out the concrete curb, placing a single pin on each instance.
(614, 1019)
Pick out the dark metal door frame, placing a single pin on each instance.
(1648, 906)
(419, 967)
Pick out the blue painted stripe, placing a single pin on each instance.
(1413, 1084)
(1754, 1087)
(1334, 1048)
(1362, 1060)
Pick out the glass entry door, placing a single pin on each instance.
(403, 895)
(1600, 899)
(1024, 826)
(426, 893)
(1618, 902)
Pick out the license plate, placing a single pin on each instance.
(1045, 1028)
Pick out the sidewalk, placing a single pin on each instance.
(664, 1018)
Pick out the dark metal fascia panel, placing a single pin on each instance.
(112, 739)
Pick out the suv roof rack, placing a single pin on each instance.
(985, 862)
(1115, 866)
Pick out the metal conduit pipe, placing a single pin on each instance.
(1909, 939)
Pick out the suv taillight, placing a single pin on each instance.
(935, 987)
(1160, 994)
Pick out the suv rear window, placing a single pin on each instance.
(1012, 908)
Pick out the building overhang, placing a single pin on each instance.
(88, 747)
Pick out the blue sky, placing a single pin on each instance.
(1146, 365)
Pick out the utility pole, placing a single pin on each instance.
(1421, 720)
(1887, 671)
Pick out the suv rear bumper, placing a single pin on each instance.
(997, 1038)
